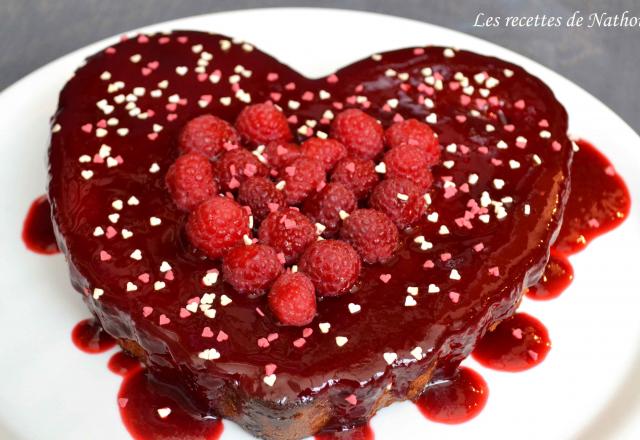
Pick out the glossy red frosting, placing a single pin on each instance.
(503, 135)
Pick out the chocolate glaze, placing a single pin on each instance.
(495, 261)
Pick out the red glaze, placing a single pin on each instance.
(464, 307)
(362, 432)
(455, 400)
(557, 276)
(599, 200)
(90, 337)
(122, 364)
(516, 344)
(140, 399)
(37, 230)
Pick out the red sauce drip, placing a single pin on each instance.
(516, 344)
(599, 200)
(90, 337)
(37, 229)
(455, 400)
(557, 276)
(121, 363)
(140, 399)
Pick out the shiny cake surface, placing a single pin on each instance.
(495, 208)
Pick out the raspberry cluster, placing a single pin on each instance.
(321, 205)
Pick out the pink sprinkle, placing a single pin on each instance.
(275, 96)
(465, 100)
(144, 277)
(556, 146)
(496, 162)
(183, 39)
(307, 332)
(272, 337)
(495, 271)
(519, 104)
(610, 171)
(263, 343)
(172, 106)
(299, 342)
(195, 299)
(521, 143)
(509, 128)
(202, 77)
(153, 65)
(385, 277)
(291, 171)
(169, 275)
(142, 39)
(290, 86)
(104, 256)
(352, 399)
(184, 313)
(207, 333)
(289, 224)
(293, 119)
(450, 191)
(271, 76)
(454, 85)
(222, 336)
(146, 311)
(172, 117)
(110, 50)
(152, 136)
(87, 128)
(111, 232)
(543, 123)
(461, 118)
(259, 311)
(102, 123)
(281, 258)
(307, 96)
(163, 40)
(233, 183)
(398, 118)
(517, 333)
(428, 264)
(478, 247)
(164, 320)
(533, 355)
(445, 256)
(122, 402)
(332, 79)
(593, 223)
(483, 150)
(454, 297)
(269, 369)
(418, 51)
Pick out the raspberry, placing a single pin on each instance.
(326, 151)
(356, 174)
(208, 135)
(324, 207)
(333, 266)
(280, 154)
(190, 181)
(292, 299)
(372, 234)
(416, 133)
(217, 225)
(410, 162)
(359, 132)
(261, 195)
(263, 123)
(251, 269)
(400, 199)
(302, 178)
(236, 166)
(288, 231)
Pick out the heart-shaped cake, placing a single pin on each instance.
(175, 224)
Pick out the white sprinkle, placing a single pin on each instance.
(131, 287)
(354, 308)
(508, 73)
(341, 340)
(412, 290)
(86, 174)
(409, 301)
(417, 353)
(527, 209)
(210, 279)
(381, 168)
(133, 201)
(225, 100)
(192, 307)
(126, 234)
(154, 221)
(449, 53)
(182, 70)
(390, 358)
(113, 218)
(324, 327)
(491, 83)
(433, 217)
(270, 379)
(154, 168)
(164, 412)
(293, 105)
(117, 204)
(56, 128)
(159, 285)
(432, 118)
(433, 288)
(514, 164)
(443, 230)
(97, 293)
(454, 275)
(121, 131)
(402, 197)
(210, 313)
(135, 58)
(502, 145)
(105, 76)
(247, 240)
(208, 298)
(545, 134)
(498, 183)
(225, 300)
(209, 354)
(165, 267)
(98, 231)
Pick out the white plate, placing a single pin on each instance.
(585, 389)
